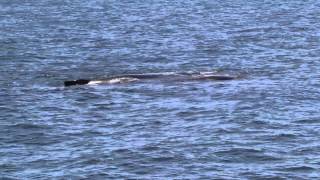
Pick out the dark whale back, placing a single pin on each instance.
(76, 82)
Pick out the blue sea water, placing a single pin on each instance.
(263, 126)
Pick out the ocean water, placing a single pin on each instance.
(263, 126)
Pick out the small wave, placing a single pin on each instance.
(307, 121)
(28, 126)
(305, 169)
(245, 154)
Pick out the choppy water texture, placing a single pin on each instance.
(265, 126)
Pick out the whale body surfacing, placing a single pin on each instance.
(161, 76)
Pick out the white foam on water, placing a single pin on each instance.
(95, 82)
(122, 80)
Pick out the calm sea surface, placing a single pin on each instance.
(263, 126)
